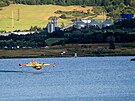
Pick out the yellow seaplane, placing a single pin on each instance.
(36, 65)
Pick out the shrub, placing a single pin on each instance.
(63, 16)
(58, 12)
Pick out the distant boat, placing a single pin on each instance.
(75, 55)
(133, 59)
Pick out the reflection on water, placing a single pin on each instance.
(74, 79)
(6, 71)
(13, 71)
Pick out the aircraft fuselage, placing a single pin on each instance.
(37, 67)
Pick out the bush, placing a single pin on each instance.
(54, 41)
(58, 12)
(63, 16)
(83, 6)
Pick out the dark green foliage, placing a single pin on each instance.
(58, 12)
(126, 24)
(111, 41)
(55, 41)
(4, 3)
(73, 14)
(35, 28)
(120, 32)
(63, 16)
(112, 8)
(68, 2)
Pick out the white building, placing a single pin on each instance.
(86, 21)
(18, 33)
(94, 23)
(79, 24)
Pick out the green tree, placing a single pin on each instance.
(128, 2)
(117, 2)
(105, 2)
(111, 40)
(122, 5)
(98, 2)
(63, 16)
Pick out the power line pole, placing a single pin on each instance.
(18, 14)
(12, 19)
(5, 22)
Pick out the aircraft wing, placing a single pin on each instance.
(37, 64)
(31, 64)
(53, 65)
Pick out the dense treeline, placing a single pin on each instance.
(112, 8)
(69, 2)
(119, 33)
(4, 3)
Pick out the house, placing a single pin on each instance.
(94, 23)
(79, 24)
(107, 23)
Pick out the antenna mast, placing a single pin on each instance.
(12, 19)
(18, 14)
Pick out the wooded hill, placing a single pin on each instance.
(69, 2)
(39, 16)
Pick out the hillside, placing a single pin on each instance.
(32, 15)
(38, 15)
(69, 2)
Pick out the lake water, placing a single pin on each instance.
(73, 79)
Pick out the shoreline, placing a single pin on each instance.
(66, 56)
(69, 50)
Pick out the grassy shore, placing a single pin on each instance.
(123, 49)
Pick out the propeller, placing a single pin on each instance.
(53, 65)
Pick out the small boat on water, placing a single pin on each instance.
(133, 59)
(75, 55)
